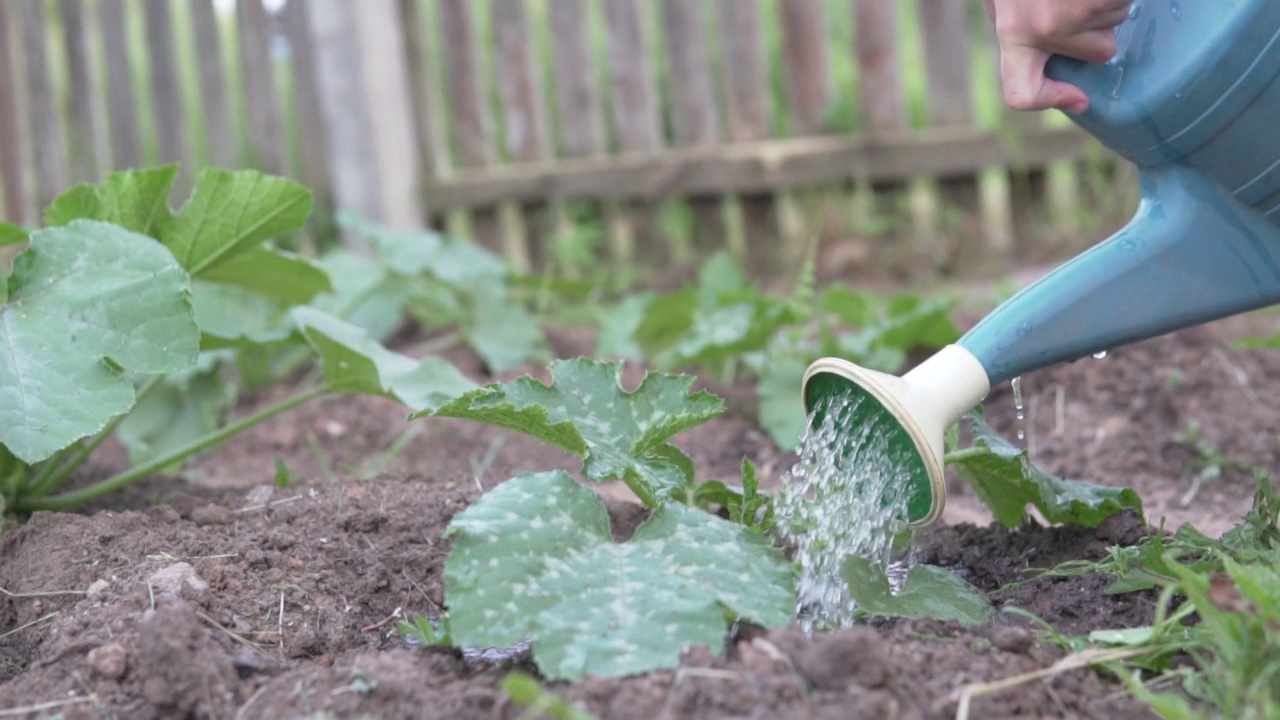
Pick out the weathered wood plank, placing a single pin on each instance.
(433, 155)
(122, 103)
(352, 165)
(215, 102)
(760, 167)
(472, 124)
(884, 101)
(947, 61)
(12, 169)
(747, 118)
(166, 94)
(308, 110)
(805, 61)
(525, 134)
(262, 100)
(85, 147)
(386, 83)
(47, 143)
(694, 120)
(637, 123)
(742, 61)
(577, 100)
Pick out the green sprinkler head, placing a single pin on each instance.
(910, 413)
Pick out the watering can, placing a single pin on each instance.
(1192, 98)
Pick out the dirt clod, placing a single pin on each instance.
(110, 660)
(844, 658)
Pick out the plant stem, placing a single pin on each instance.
(54, 473)
(115, 482)
(961, 455)
(642, 490)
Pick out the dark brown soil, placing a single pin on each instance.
(221, 596)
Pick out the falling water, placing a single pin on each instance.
(847, 495)
(1017, 406)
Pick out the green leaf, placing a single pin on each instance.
(502, 331)
(851, 308)
(88, 302)
(136, 200)
(274, 274)
(184, 407)
(1006, 481)
(414, 252)
(230, 213)
(355, 363)
(534, 558)
(365, 293)
(618, 326)
(928, 592)
(11, 234)
(586, 412)
(232, 317)
(781, 411)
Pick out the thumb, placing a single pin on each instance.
(1026, 87)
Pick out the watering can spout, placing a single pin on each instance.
(1192, 254)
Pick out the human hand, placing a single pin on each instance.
(1030, 31)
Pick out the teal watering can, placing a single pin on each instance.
(1192, 98)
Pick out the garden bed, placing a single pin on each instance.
(228, 596)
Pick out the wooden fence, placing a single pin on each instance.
(504, 119)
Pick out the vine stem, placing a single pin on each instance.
(960, 455)
(54, 473)
(115, 482)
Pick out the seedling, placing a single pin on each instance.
(1209, 461)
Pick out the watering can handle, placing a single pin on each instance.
(1097, 80)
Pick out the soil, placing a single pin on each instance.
(220, 595)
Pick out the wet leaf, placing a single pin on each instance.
(355, 363)
(1006, 481)
(586, 412)
(534, 559)
(88, 302)
(928, 592)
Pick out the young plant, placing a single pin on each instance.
(107, 311)
(534, 558)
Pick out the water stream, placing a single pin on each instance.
(846, 496)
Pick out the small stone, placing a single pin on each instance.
(211, 515)
(260, 495)
(844, 658)
(96, 588)
(179, 578)
(110, 660)
(1012, 639)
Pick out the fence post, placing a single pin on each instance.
(352, 165)
(12, 172)
(46, 127)
(747, 113)
(637, 123)
(805, 60)
(166, 94)
(122, 108)
(308, 110)
(86, 150)
(221, 141)
(386, 82)
(472, 125)
(525, 135)
(694, 121)
(262, 101)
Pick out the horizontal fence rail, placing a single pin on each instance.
(492, 117)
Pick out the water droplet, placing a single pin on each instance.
(1017, 405)
(849, 492)
(1175, 9)
(1133, 10)
(1100, 354)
